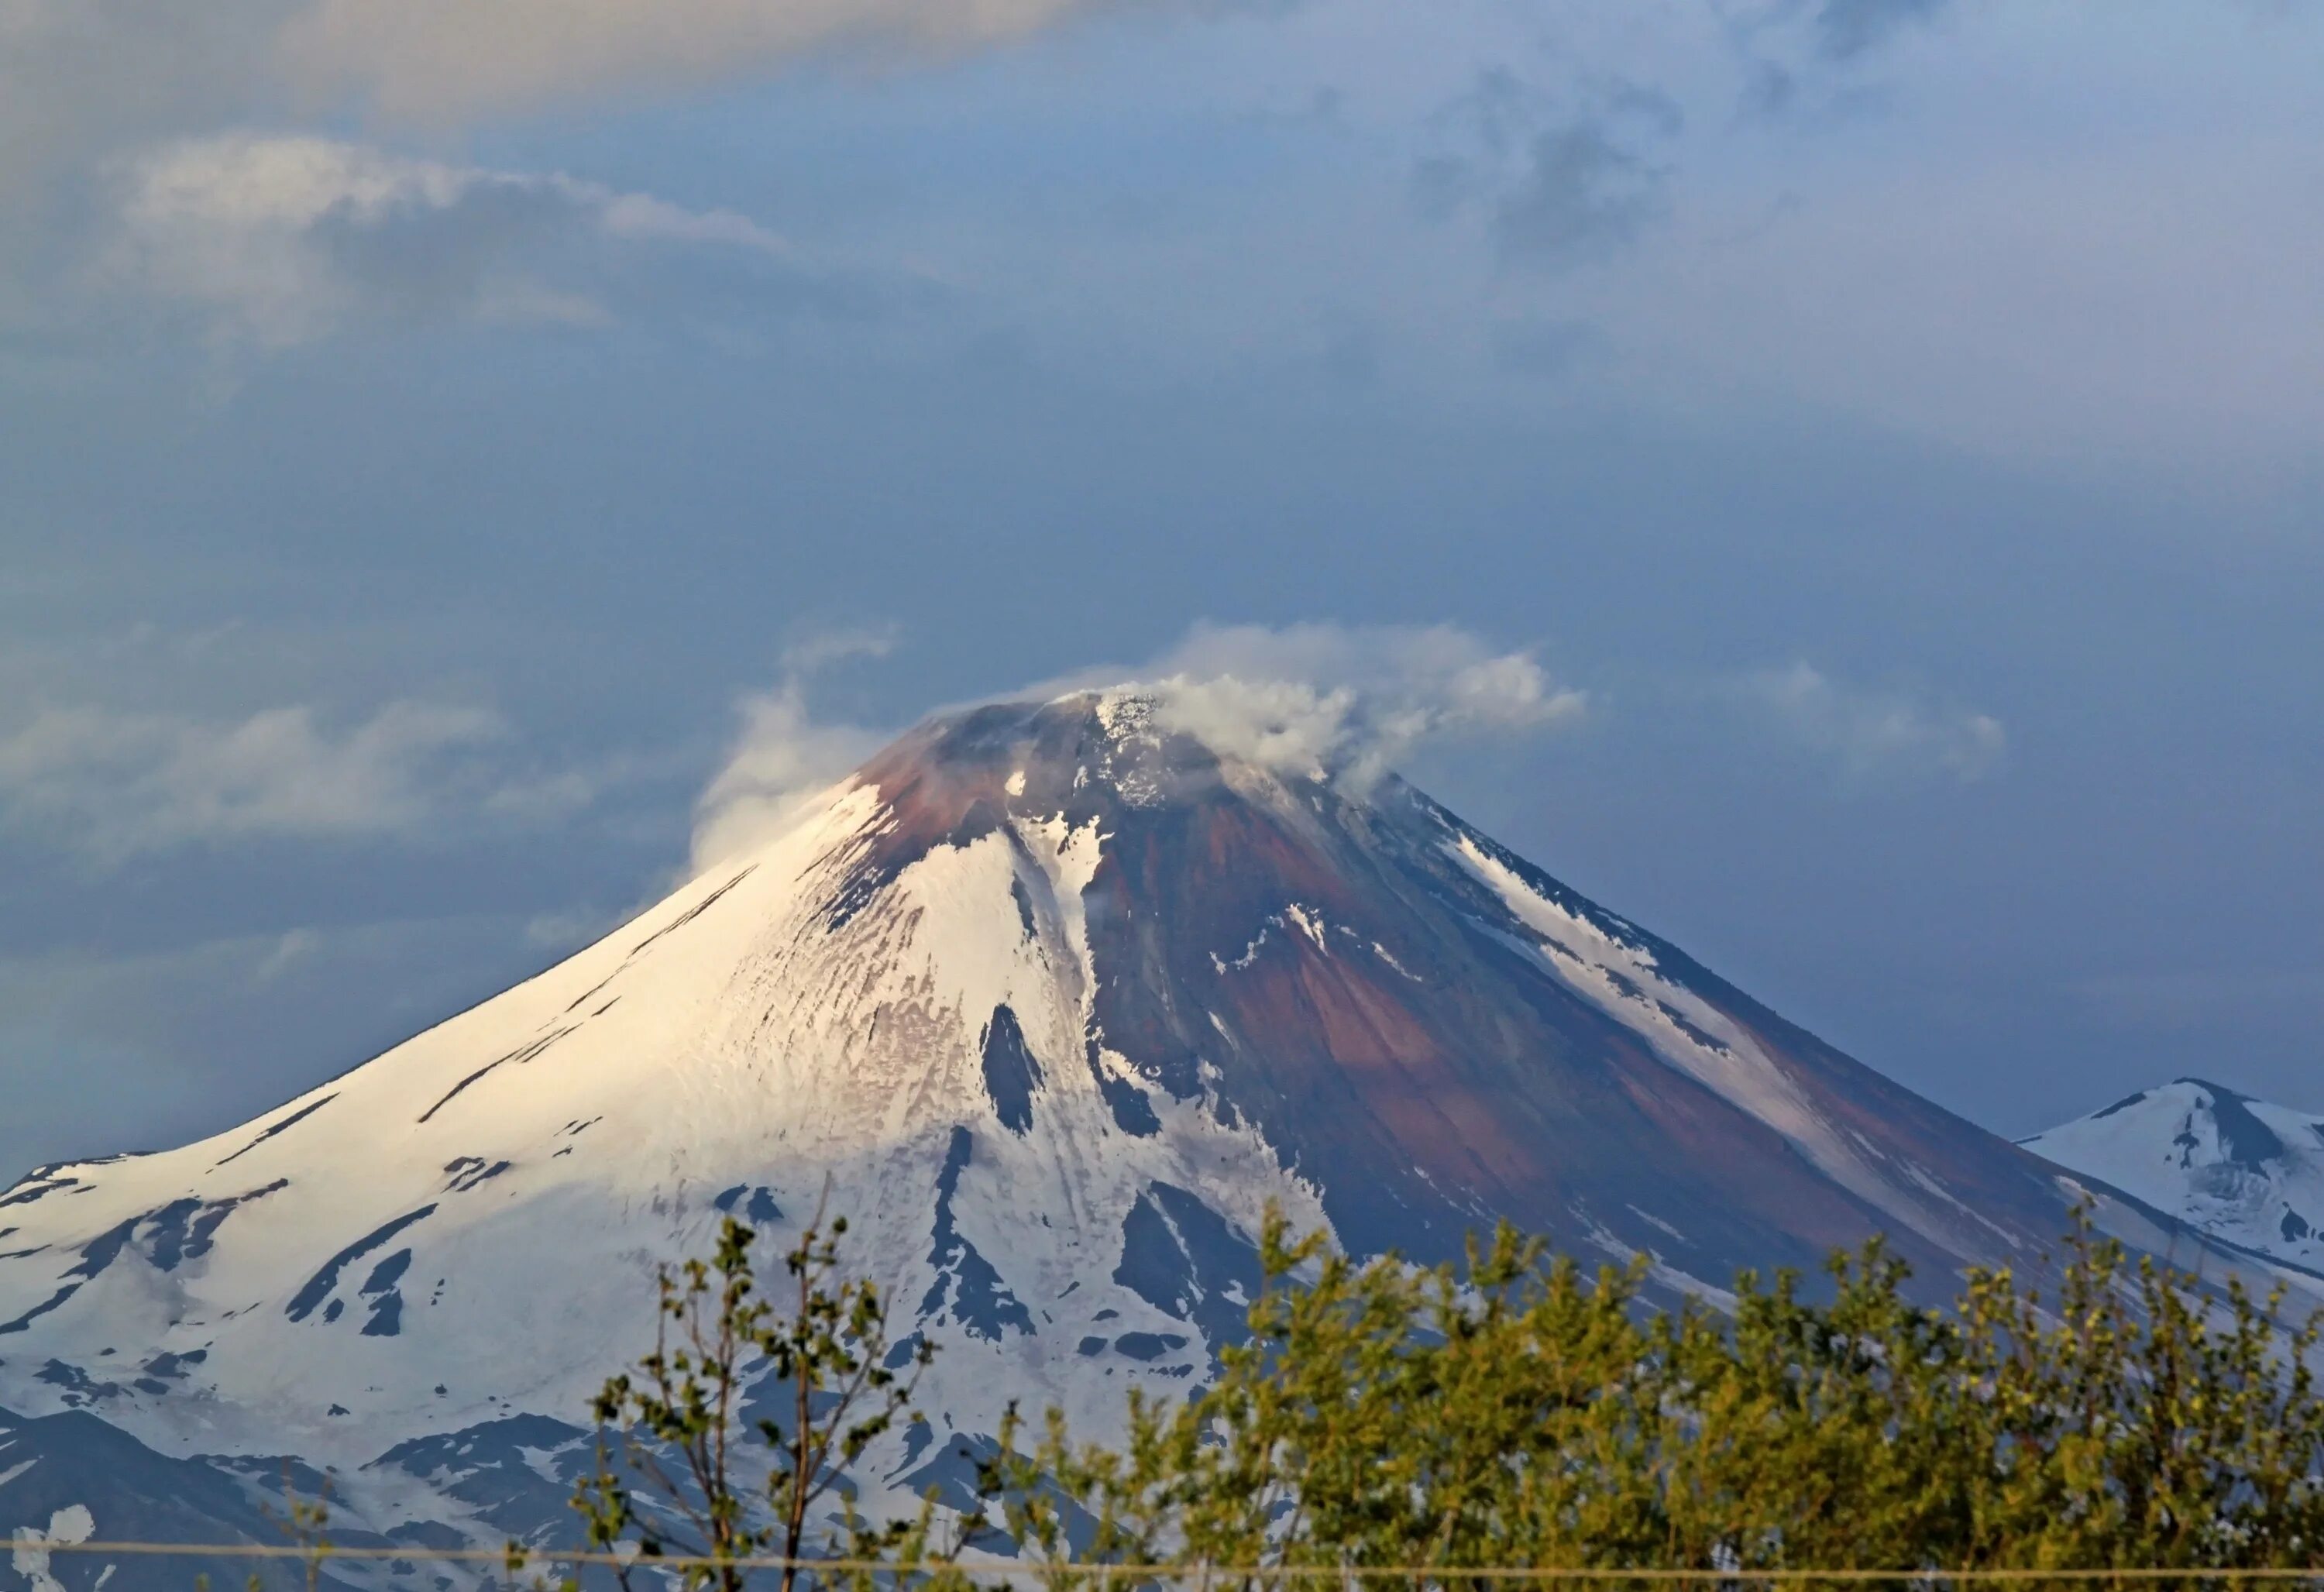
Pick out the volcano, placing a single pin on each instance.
(1052, 1000)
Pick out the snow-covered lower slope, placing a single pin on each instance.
(469, 1225)
(1052, 1003)
(2238, 1169)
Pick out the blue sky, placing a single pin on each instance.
(430, 452)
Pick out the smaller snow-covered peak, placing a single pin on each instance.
(2190, 1123)
(2238, 1168)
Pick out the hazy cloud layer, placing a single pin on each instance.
(78, 76)
(437, 59)
(1873, 734)
(118, 785)
(86, 79)
(282, 240)
(1350, 701)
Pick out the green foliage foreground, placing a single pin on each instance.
(1515, 1412)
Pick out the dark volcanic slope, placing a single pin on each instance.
(1437, 1033)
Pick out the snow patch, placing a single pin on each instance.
(1659, 1272)
(1295, 917)
(71, 1525)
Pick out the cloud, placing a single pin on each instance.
(1874, 734)
(445, 59)
(295, 946)
(1583, 190)
(782, 756)
(281, 240)
(82, 79)
(1350, 701)
(1558, 183)
(119, 785)
(89, 77)
(1846, 29)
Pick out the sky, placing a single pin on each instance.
(453, 460)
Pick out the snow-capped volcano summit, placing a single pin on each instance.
(1053, 999)
(2238, 1169)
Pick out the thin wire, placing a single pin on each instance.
(27, 1543)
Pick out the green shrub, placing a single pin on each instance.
(1387, 1422)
